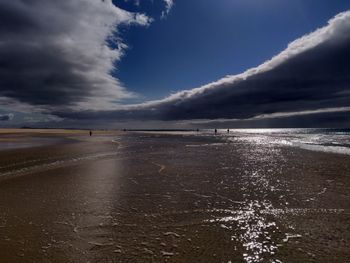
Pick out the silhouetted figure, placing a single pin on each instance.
(197, 130)
(216, 131)
(90, 133)
(228, 130)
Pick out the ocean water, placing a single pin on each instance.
(323, 140)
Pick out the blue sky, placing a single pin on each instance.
(201, 41)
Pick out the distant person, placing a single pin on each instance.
(197, 130)
(90, 133)
(216, 131)
(228, 130)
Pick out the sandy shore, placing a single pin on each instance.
(62, 132)
(133, 197)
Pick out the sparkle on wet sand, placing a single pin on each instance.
(184, 197)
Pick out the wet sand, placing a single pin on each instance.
(137, 197)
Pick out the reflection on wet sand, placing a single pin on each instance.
(173, 198)
(252, 222)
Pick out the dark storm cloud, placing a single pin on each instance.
(318, 78)
(54, 57)
(54, 54)
(310, 77)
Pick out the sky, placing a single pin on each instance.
(174, 64)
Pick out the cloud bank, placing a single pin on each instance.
(59, 54)
(56, 57)
(311, 76)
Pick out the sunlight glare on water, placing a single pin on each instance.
(253, 224)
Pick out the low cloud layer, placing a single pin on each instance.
(310, 77)
(58, 54)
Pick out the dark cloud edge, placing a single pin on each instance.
(311, 76)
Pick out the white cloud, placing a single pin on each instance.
(42, 119)
(168, 5)
(299, 113)
(275, 115)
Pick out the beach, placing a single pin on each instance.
(172, 197)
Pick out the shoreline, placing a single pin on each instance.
(151, 198)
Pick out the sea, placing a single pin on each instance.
(324, 140)
(314, 139)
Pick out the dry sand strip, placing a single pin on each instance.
(58, 132)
